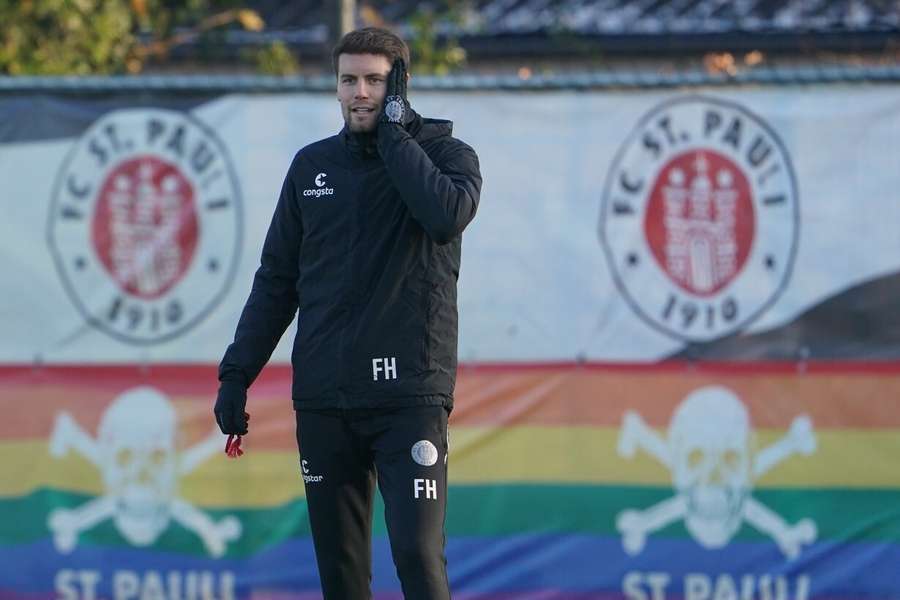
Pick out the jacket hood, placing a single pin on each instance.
(433, 128)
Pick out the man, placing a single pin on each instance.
(365, 240)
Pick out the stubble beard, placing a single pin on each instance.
(360, 127)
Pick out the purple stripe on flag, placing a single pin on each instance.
(524, 567)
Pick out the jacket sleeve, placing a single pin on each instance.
(273, 298)
(442, 198)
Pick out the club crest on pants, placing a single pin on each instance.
(136, 454)
(709, 453)
(424, 453)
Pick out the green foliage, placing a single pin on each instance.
(430, 53)
(86, 37)
(55, 37)
(276, 59)
(81, 37)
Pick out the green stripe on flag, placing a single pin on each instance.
(478, 510)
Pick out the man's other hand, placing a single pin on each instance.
(229, 410)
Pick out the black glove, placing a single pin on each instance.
(229, 408)
(396, 110)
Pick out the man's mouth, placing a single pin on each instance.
(362, 110)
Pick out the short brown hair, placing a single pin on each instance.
(371, 40)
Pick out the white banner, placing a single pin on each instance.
(613, 226)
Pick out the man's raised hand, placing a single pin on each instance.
(396, 110)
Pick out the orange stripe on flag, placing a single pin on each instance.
(495, 397)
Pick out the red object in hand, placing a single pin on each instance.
(233, 444)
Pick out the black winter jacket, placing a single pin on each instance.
(365, 241)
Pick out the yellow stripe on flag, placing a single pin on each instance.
(479, 455)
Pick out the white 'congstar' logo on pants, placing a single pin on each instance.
(307, 477)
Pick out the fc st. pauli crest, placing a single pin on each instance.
(145, 224)
(699, 218)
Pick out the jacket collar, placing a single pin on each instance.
(359, 145)
(362, 145)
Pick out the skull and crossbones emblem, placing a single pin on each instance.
(708, 452)
(135, 452)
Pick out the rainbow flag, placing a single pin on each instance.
(764, 481)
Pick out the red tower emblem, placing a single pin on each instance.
(145, 226)
(699, 218)
(699, 221)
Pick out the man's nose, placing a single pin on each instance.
(362, 90)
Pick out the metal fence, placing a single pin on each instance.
(630, 79)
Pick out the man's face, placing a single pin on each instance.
(361, 87)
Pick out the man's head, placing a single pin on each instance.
(362, 61)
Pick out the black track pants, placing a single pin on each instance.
(342, 452)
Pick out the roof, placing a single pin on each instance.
(606, 17)
(529, 27)
(617, 17)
